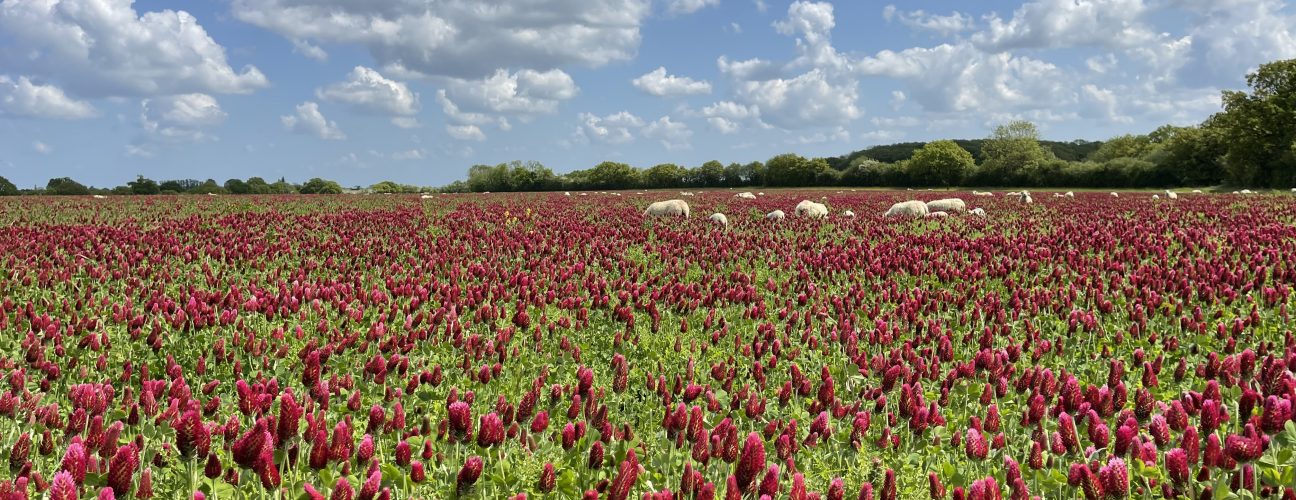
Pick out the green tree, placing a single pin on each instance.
(7, 188)
(709, 174)
(939, 163)
(237, 186)
(733, 175)
(614, 175)
(144, 186)
(1012, 154)
(208, 186)
(320, 186)
(171, 187)
(1126, 146)
(385, 187)
(1195, 155)
(257, 185)
(794, 170)
(65, 186)
(665, 175)
(1259, 132)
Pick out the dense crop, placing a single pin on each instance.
(563, 347)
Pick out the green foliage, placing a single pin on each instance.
(710, 174)
(665, 175)
(1124, 146)
(940, 163)
(65, 186)
(144, 186)
(7, 188)
(1012, 153)
(613, 175)
(1259, 133)
(794, 170)
(320, 186)
(208, 186)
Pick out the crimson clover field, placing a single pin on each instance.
(551, 346)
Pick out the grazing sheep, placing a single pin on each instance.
(911, 208)
(1245, 191)
(1196, 191)
(1115, 194)
(982, 193)
(667, 208)
(936, 215)
(1172, 195)
(1013, 193)
(567, 193)
(1293, 190)
(426, 197)
(1069, 194)
(584, 194)
(762, 193)
(811, 209)
(978, 211)
(848, 213)
(99, 197)
(686, 193)
(775, 215)
(745, 195)
(1058, 195)
(720, 219)
(947, 205)
(1156, 196)
(1025, 197)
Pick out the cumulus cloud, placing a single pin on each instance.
(961, 78)
(689, 6)
(728, 117)
(308, 120)
(367, 90)
(945, 25)
(672, 135)
(521, 93)
(657, 82)
(466, 132)
(1230, 37)
(1068, 23)
(180, 118)
(463, 38)
(41, 147)
(749, 69)
(807, 100)
(616, 128)
(309, 50)
(23, 98)
(98, 48)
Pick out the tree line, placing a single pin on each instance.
(1251, 143)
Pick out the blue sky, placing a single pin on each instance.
(417, 90)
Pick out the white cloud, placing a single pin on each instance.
(406, 122)
(367, 90)
(807, 100)
(898, 99)
(951, 24)
(1068, 23)
(97, 48)
(657, 82)
(463, 38)
(180, 118)
(466, 132)
(673, 135)
(616, 128)
(1101, 64)
(1229, 38)
(27, 99)
(310, 50)
(750, 69)
(1101, 103)
(728, 117)
(836, 135)
(42, 148)
(525, 92)
(689, 6)
(960, 78)
(309, 120)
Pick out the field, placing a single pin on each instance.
(551, 346)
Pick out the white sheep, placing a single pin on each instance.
(848, 213)
(762, 193)
(1196, 191)
(745, 195)
(1013, 193)
(775, 215)
(1115, 194)
(982, 193)
(720, 219)
(947, 205)
(811, 209)
(686, 193)
(1069, 194)
(978, 211)
(567, 193)
(1172, 195)
(1025, 197)
(1156, 196)
(936, 215)
(99, 196)
(426, 197)
(667, 208)
(911, 208)
(1246, 191)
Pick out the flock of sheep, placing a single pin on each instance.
(815, 210)
(912, 208)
